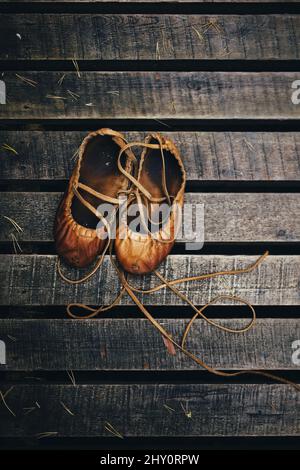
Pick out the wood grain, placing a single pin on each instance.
(151, 95)
(215, 156)
(228, 217)
(33, 280)
(149, 37)
(133, 344)
(140, 410)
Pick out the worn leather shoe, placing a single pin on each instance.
(96, 179)
(161, 179)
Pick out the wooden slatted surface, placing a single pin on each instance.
(158, 95)
(33, 280)
(115, 344)
(216, 410)
(214, 156)
(150, 37)
(228, 217)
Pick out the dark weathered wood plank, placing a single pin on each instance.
(133, 344)
(228, 217)
(33, 280)
(215, 156)
(149, 37)
(140, 410)
(154, 95)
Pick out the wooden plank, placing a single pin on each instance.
(154, 95)
(228, 217)
(133, 344)
(140, 410)
(215, 156)
(33, 280)
(149, 37)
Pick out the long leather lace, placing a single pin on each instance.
(126, 287)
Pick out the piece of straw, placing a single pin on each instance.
(75, 63)
(14, 223)
(71, 377)
(170, 410)
(2, 396)
(42, 435)
(109, 427)
(9, 148)
(16, 245)
(67, 409)
(56, 97)
(200, 35)
(26, 80)
(61, 79)
(187, 412)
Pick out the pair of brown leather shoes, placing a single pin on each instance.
(109, 189)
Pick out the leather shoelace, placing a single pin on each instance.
(126, 287)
